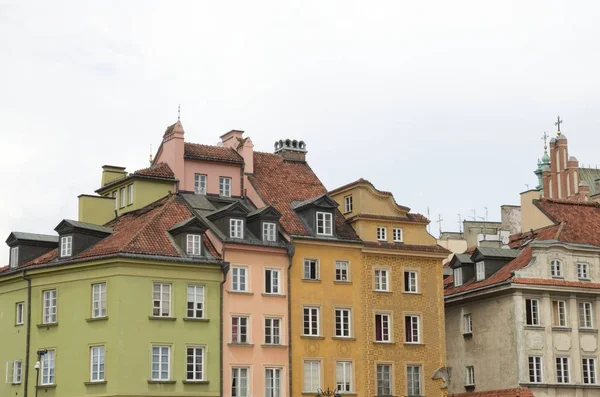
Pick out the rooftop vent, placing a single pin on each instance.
(291, 149)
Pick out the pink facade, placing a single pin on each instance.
(213, 172)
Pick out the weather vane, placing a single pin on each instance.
(558, 123)
(179, 114)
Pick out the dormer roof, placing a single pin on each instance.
(267, 211)
(234, 209)
(321, 201)
(16, 237)
(69, 226)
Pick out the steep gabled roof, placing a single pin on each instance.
(212, 153)
(362, 181)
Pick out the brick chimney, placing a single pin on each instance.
(243, 146)
(112, 173)
(291, 150)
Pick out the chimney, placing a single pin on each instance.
(112, 173)
(172, 150)
(291, 150)
(584, 192)
(243, 146)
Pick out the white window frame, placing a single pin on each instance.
(123, 193)
(197, 361)
(242, 326)
(382, 280)
(467, 324)
(586, 314)
(414, 337)
(273, 334)
(348, 204)
(381, 233)
(412, 286)
(236, 376)
(384, 387)
(534, 306)
(269, 231)
(536, 369)
(457, 274)
(583, 271)
(130, 194)
(161, 307)
(200, 184)
(589, 371)
(20, 313)
(66, 246)
(308, 263)
(556, 268)
(562, 320)
(196, 298)
(48, 368)
(239, 278)
(313, 325)
(563, 375)
(236, 228)
(342, 271)
(386, 327)
(470, 376)
(14, 257)
(324, 224)
(50, 306)
(98, 300)
(193, 244)
(344, 377)
(162, 365)
(17, 372)
(480, 271)
(224, 186)
(273, 382)
(115, 195)
(414, 380)
(397, 235)
(313, 384)
(274, 278)
(97, 369)
(343, 322)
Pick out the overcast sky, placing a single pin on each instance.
(443, 103)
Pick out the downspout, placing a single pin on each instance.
(225, 269)
(242, 191)
(291, 250)
(28, 336)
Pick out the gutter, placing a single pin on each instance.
(28, 337)
(460, 294)
(291, 252)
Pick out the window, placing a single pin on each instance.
(273, 382)
(562, 369)
(470, 378)
(343, 376)
(195, 301)
(269, 231)
(199, 183)
(123, 197)
(532, 311)
(413, 380)
(410, 281)
(225, 186)
(381, 233)
(341, 271)
(311, 321)
(98, 300)
(66, 246)
(47, 368)
(272, 331)
(397, 234)
(272, 278)
(583, 271)
(311, 269)
(238, 279)
(97, 363)
(193, 244)
(130, 194)
(384, 379)
(382, 328)
(14, 257)
(236, 228)
(161, 362)
(239, 329)
(535, 369)
(343, 322)
(17, 372)
(586, 319)
(239, 382)
(324, 223)
(480, 268)
(161, 300)
(348, 204)
(381, 280)
(411, 329)
(116, 196)
(556, 268)
(468, 324)
(195, 363)
(559, 313)
(458, 277)
(589, 371)
(49, 306)
(20, 313)
(312, 376)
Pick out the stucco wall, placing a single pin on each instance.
(212, 171)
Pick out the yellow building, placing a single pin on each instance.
(401, 293)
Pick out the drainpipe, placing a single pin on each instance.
(225, 269)
(28, 336)
(291, 250)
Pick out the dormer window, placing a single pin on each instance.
(224, 186)
(397, 234)
(269, 231)
(14, 257)
(480, 269)
(193, 244)
(556, 268)
(123, 197)
(236, 228)
(348, 204)
(324, 223)
(66, 246)
(199, 183)
(458, 277)
(381, 233)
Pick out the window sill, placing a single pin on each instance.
(348, 338)
(382, 291)
(310, 280)
(412, 293)
(48, 325)
(585, 279)
(534, 327)
(240, 292)
(19, 325)
(383, 343)
(589, 330)
(413, 344)
(312, 337)
(93, 319)
(561, 329)
(241, 344)
(340, 282)
(274, 295)
(274, 346)
(196, 320)
(100, 382)
(162, 382)
(16, 384)
(558, 277)
(468, 334)
(195, 382)
(46, 387)
(155, 318)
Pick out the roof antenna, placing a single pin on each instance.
(150, 158)
(459, 223)
(178, 112)
(428, 225)
(439, 221)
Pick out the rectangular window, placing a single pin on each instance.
(532, 311)
(343, 322)
(480, 268)
(239, 329)
(272, 331)
(47, 363)
(98, 300)
(130, 194)
(115, 194)
(559, 313)
(14, 257)
(17, 372)
(194, 363)
(239, 382)
(66, 246)
(311, 321)
(384, 379)
(343, 377)
(269, 231)
(381, 280)
(348, 204)
(586, 319)
(161, 298)
(199, 183)
(195, 301)
(535, 369)
(20, 313)
(583, 271)
(458, 277)
(413, 380)
(324, 223)
(381, 233)
(311, 269)
(470, 378)
(273, 382)
(161, 362)
(97, 363)
(312, 376)
(589, 371)
(272, 280)
(562, 369)
(341, 271)
(397, 234)
(225, 186)
(556, 268)
(382, 328)
(411, 329)
(193, 244)
(410, 281)
(468, 324)
(49, 306)
(123, 197)
(236, 228)
(239, 279)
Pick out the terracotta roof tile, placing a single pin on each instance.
(517, 392)
(407, 247)
(581, 220)
(409, 217)
(160, 170)
(212, 153)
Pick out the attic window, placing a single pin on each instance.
(199, 183)
(348, 203)
(480, 268)
(14, 257)
(381, 233)
(236, 228)
(397, 234)
(325, 223)
(556, 268)
(269, 231)
(458, 277)
(193, 244)
(224, 186)
(66, 246)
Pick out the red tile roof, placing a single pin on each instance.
(517, 392)
(160, 170)
(407, 247)
(556, 282)
(212, 153)
(581, 220)
(280, 183)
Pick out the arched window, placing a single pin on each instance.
(556, 268)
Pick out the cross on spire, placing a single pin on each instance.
(558, 123)
(545, 139)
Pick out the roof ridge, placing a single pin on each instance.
(570, 202)
(561, 226)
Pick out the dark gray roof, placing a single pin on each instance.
(259, 211)
(35, 237)
(499, 252)
(182, 223)
(464, 258)
(298, 204)
(88, 226)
